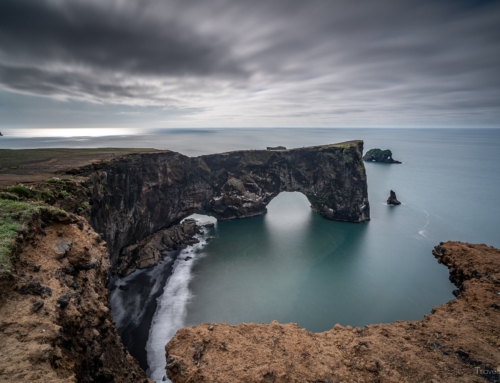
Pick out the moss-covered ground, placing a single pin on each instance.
(14, 217)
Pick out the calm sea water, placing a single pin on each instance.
(294, 266)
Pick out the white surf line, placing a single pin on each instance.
(422, 231)
(126, 311)
(171, 312)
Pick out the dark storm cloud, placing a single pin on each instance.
(106, 37)
(290, 62)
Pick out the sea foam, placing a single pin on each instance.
(171, 312)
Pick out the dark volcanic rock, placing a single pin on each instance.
(88, 266)
(138, 195)
(392, 200)
(148, 252)
(35, 288)
(276, 148)
(377, 155)
(63, 300)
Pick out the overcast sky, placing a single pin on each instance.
(258, 63)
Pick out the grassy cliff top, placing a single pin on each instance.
(14, 216)
(34, 165)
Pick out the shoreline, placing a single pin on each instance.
(171, 307)
(448, 344)
(136, 298)
(146, 285)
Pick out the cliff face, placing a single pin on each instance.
(458, 342)
(136, 196)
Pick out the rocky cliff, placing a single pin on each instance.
(458, 342)
(55, 321)
(138, 195)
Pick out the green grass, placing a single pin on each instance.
(7, 195)
(13, 216)
(83, 206)
(21, 191)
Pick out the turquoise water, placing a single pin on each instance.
(294, 266)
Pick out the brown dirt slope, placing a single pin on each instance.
(55, 322)
(458, 342)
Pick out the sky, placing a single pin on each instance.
(260, 63)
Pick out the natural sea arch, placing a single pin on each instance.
(136, 196)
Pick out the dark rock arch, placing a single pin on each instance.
(136, 196)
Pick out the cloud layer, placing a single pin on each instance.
(258, 63)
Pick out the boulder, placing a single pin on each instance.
(63, 300)
(62, 248)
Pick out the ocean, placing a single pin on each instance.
(290, 264)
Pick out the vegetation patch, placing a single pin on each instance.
(58, 213)
(346, 153)
(21, 191)
(83, 206)
(7, 195)
(14, 215)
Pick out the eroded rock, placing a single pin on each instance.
(378, 155)
(62, 248)
(63, 301)
(392, 200)
(134, 197)
(35, 288)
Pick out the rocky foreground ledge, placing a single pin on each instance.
(55, 321)
(458, 342)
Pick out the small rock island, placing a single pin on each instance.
(378, 155)
(392, 200)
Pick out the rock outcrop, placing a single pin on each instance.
(378, 155)
(458, 342)
(148, 252)
(136, 196)
(392, 200)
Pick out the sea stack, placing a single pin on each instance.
(378, 155)
(392, 200)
